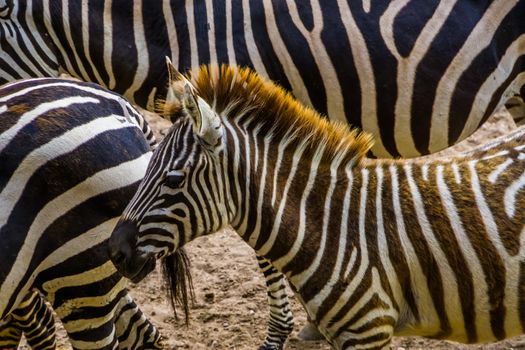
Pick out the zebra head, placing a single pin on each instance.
(26, 47)
(182, 195)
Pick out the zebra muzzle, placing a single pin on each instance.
(124, 255)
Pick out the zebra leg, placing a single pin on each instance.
(310, 332)
(134, 330)
(281, 318)
(34, 319)
(10, 334)
(87, 304)
(516, 107)
(101, 336)
(106, 320)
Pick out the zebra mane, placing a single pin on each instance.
(242, 95)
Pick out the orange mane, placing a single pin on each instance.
(241, 95)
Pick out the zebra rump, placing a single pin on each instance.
(71, 157)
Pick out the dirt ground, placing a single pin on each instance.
(231, 311)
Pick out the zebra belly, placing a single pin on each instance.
(485, 324)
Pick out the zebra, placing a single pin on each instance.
(71, 156)
(34, 319)
(371, 247)
(391, 68)
(418, 75)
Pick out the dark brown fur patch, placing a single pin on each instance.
(19, 108)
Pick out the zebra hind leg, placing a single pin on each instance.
(10, 334)
(281, 318)
(35, 320)
(133, 329)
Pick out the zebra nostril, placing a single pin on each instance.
(118, 257)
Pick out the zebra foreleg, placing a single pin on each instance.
(134, 330)
(280, 324)
(34, 319)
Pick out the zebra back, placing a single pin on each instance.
(419, 76)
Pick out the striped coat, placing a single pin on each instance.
(71, 154)
(418, 75)
(372, 248)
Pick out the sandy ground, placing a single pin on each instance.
(231, 311)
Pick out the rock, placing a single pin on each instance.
(209, 297)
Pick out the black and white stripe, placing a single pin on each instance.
(372, 248)
(418, 75)
(33, 319)
(71, 156)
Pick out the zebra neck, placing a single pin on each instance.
(282, 195)
(407, 227)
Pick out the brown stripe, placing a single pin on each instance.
(352, 243)
(285, 167)
(255, 181)
(521, 296)
(371, 230)
(449, 244)
(314, 223)
(509, 227)
(423, 252)
(490, 260)
(373, 303)
(397, 253)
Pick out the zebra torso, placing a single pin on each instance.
(71, 155)
(425, 247)
(372, 248)
(432, 247)
(418, 75)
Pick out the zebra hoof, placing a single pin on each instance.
(310, 333)
(268, 347)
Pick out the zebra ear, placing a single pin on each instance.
(172, 108)
(174, 75)
(182, 100)
(206, 123)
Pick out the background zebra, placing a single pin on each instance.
(71, 156)
(34, 319)
(418, 75)
(429, 247)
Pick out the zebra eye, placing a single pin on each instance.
(175, 179)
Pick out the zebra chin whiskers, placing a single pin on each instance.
(176, 270)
